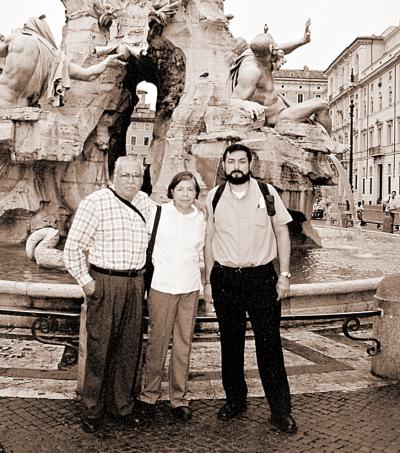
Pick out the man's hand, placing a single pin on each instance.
(282, 287)
(208, 293)
(307, 31)
(89, 288)
(255, 109)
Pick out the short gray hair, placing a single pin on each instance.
(122, 159)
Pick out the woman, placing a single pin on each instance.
(173, 296)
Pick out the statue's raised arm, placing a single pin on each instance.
(293, 45)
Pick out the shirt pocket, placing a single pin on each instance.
(261, 217)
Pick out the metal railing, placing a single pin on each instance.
(62, 328)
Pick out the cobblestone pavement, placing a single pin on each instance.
(362, 421)
(338, 405)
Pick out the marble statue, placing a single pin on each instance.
(253, 89)
(34, 66)
(132, 24)
(41, 247)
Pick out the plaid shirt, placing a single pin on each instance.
(108, 233)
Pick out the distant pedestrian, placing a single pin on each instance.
(360, 213)
(390, 204)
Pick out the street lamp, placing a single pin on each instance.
(351, 144)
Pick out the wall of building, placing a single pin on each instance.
(368, 73)
(140, 132)
(298, 85)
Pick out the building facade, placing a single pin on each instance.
(298, 85)
(140, 132)
(364, 100)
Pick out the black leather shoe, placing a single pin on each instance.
(183, 413)
(231, 410)
(144, 410)
(131, 419)
(90, 424)
(285, 424)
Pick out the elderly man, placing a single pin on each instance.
(253, 87)
(106, 252)
(246, 231)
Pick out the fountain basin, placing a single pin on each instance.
(342, 286)
(328, 297)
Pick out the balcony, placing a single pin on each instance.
(375, 151)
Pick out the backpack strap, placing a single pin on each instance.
(217, 195)
(269, 199)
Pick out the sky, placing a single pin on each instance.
(334, 24)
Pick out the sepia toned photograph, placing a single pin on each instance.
(199, 226)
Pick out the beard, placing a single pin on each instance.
(238, 177)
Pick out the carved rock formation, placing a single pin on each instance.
(51, 157)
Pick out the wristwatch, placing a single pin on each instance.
(286, 274)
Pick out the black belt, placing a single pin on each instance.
(116, 273)
(240, 270)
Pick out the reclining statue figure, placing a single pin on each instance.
(34, 65)
(253, 89)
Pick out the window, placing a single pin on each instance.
(299, 97)
(379, 136)
(133, 126)
(380, 101)
(372, 104)
(146, 141)
(147, 126)
(370, 185)
(371, 138)
(355, 181)
(364, 140)
(389, 133)
(389, 184)
(390, 97)
(363, 186)
(389, 169)
(317, 95)
(282, 86)
(133, 140)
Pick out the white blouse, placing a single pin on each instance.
(176, 255)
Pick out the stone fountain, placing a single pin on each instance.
(57, 148)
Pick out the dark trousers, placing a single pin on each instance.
(251, 290)
(114, 342)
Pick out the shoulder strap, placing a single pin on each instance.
(130, 205)
(152, 240)
(217, 195)
(269, 199)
